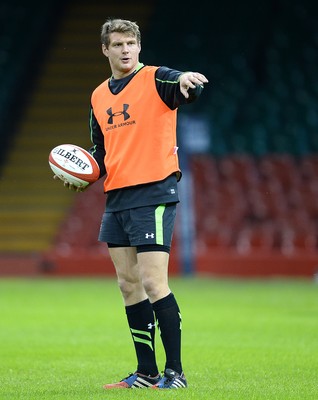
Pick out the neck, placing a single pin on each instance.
(123, 75)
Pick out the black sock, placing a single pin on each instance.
(142, 326)
(169, 322)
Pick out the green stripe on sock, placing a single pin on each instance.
(138, 339)
(145, 333)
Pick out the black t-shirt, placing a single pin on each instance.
(162, 192)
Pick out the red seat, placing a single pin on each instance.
(217, 238)
(309, 166)
(294, 241)
(281, 167)
(240, 169)
(256, 238)
(253, 214)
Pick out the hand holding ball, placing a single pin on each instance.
(74, 165)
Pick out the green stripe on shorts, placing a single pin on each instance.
(159, 223)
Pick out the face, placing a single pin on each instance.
(122, 53)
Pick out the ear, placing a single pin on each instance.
(104, 50)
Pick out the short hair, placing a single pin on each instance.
(119, 25)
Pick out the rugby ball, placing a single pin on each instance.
(74, 165)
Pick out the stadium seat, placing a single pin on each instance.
(256, 238)
(280, 167)
(239, 168)
(296, 241)
(274, 212)
(309, 167)
(219, 237)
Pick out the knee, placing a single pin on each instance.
(131, 288)
(126, 286)
(155, 290)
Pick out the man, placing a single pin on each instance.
(133, 130)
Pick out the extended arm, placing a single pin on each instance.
(176, 88)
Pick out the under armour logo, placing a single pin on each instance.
(117, 113)
(149, 235)
(150, 325)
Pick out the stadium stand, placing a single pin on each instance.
(25, 32)
(33, 206)
(261, 212)
(19, 62)
(255, 188)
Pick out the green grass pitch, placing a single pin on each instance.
(242, 339)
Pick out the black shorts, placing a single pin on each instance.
(143, 226)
